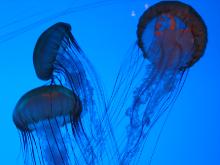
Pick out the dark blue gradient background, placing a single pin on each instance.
(192, 133)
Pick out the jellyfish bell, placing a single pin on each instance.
(50, 44)
(42, 117)
(46, 102)
(177, 29)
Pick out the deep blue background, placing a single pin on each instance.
(192, 132)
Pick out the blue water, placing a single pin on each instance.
(105, 32)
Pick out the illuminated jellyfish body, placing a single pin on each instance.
(172, 37)
(75, 127)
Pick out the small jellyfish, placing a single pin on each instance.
(171, 38)
(41, 116)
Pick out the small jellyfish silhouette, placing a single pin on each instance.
(172, 37)
(41, 116)
(77, 138)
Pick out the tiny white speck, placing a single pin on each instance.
(146, 6)
(133, 13)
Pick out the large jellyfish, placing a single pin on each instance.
(171, 38)
(68, 111)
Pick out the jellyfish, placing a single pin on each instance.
(59, 60)
(41, 116)
(171, 38)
